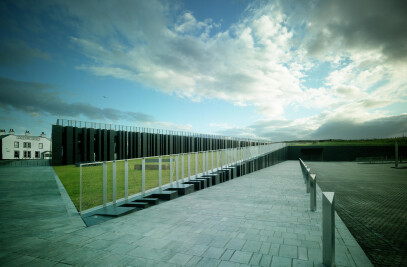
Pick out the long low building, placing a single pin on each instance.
(25, 146)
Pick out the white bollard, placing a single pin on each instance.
(313, 192)
(328, 228)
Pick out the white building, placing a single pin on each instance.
(24, 146)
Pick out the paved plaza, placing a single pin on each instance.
(260, 219)
(372, 201)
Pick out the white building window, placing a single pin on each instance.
(16, 154)
(27, 154)
(16, 144)
(27, 145)
(37, 154)
(40, 145)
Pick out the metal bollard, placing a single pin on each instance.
(328, 228)
(313, 192)
(307, 179)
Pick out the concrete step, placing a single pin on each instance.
(213, 177)
(149, 200)
(182, 189)
(141, 205)
(197, 184)
(203, 181)
(166, 195)
(115, 211)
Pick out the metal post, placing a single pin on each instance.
(328, 228)
(104, 184)
(189, 166)
(126, 180)
(307, 179)
(396, 155)
(176, 168)
(80, 189)
(203, 163)
(196, 165)
(143, 176)
(313, 192)
(182, 166)
(171, 170)
(221, 158)
(207, 161)
(217, 160)
(159, 172)
(114, 182)
(212, 160)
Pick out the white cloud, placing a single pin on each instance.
(260, 60)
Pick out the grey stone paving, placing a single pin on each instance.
(372, 201)
(258, 219)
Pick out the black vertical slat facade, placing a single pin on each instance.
(73, 144)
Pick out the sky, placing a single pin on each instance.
(275, 70)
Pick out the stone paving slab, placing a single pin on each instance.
(372, 201)
(259, 219)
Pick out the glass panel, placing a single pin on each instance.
(151, 173)
(119, 179)
(165, 170)
(92, 185)
(134, 176)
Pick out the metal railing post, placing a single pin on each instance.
(189, 166)
(143, 176)
(207, 161)
(80, 189)
(104, 184)
(171, 170)
(212, 161)
(126, 180)
(159, 172)
(182, 167)
(307, 179)
(328, 228)
(114, 182)
(196, 165)
(176, 168)
(203, 163)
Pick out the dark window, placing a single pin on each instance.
(16, 154)
(37, 154)
(27, 144)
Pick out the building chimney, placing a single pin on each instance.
(2, 132)
(11, 131)
(42, 134)
(27, 133)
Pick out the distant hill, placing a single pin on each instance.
(402, 141)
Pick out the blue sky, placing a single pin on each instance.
(280, 70)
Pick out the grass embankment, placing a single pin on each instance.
(402, 141)
(92, 178)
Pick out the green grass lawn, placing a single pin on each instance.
(92, 178)
(366, 142)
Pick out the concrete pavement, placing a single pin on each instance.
(260, 219)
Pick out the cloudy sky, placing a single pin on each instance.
(280, 70)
